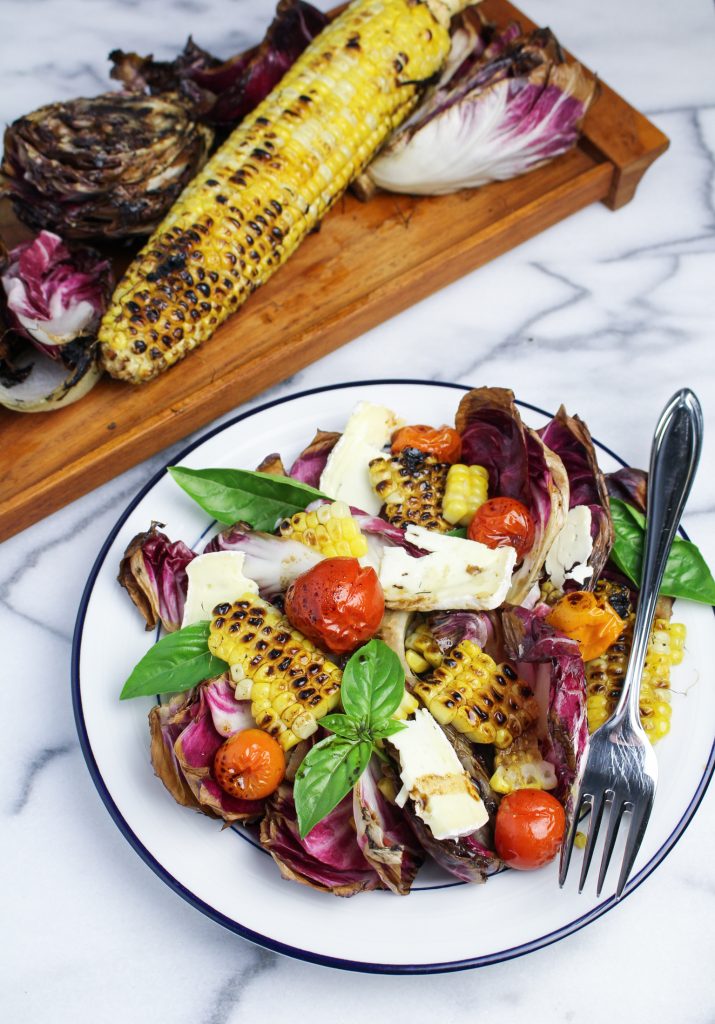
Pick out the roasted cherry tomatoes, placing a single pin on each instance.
(529, 829)
(337, 604)
(442, 442)
(589, 619)
(249, 765)
(503, 521)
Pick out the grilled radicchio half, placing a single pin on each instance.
(501, 108)
(223, 92)
(153, 572)
(108, 167)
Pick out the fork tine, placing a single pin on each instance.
(614, 820)
(597, 805)
(639, 820)
(567, 848)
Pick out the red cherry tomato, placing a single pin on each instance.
(337, 604)
(529, 829)
(249, 765)
(503, 521)
(442, 442)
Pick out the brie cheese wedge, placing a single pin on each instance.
(215, 578)
(346, 476)
(433, 778)
(568, 555)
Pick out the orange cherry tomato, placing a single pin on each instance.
(442, 442)
(249, 765)
(337, 604)
(503, 521)
(590, 620)
(529, 829)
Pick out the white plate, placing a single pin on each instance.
(229, 879)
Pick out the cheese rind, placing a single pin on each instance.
(568, 555)
(434, 779)
(215, 578)
(346, 477)
(457, 574)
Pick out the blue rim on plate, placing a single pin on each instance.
(247, 933)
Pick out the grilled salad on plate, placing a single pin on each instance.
(349, 670)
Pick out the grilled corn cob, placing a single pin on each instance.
(411, 485)
(466, 490)
(485, 701)
(422, 651)
(521, 766)
(330, 529)
(291, 685)
(273, 180)
(605, 675)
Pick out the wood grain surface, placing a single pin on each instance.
(366, 263)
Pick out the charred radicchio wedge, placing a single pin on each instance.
(108, 167)
(186, 733)
(384, 837)
(569, 437)
(509, 106)
(153, 572)
(223, 92)
(309, 466)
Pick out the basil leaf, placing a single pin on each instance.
(686, 574)
(341, 725)
(381, 730)
(230, 495)
(328, 772)
(177, 662)
(373, 683)
(458, 531)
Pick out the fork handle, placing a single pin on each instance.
(674, 458)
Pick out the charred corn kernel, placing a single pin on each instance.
(521, 766)
(466, 489)
(387, 788)
(407, 706)
(421, 643)
(550, 593)
(416, 662)
(273, 180)
(487, 702)
(579, 840)
(605, 675)
(292, 685)
(617, 595)
(329, 529)
(411, 485)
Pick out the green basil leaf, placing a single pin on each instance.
(458, 531)
(341, 725)
(686, 574)
(373, 683)
(327, 773)
(381, 730)
(177, 662)
(233, 495)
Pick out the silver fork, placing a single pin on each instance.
(621, 770)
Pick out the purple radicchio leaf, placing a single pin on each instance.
(385, 839)
(309, 466)
(166, 723)
(493, 436)
(530, 638)
(506, 109)
(629, 485)
(55, 296)
(466, 858)
(328, 859)
(153, 572)
(228, 715)
(272, 562)
(450, 628)
(195, 748)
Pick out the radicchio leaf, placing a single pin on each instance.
(630, 485)
(450, 628)
(466, 858)
(328, 859)
(493, 436)
(153, 572)
(386, 841)
(272, 562)
(273, 465)
(309, 466)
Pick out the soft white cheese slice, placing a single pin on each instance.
(346, 476)
(215, 578)
(458, 574)
(571, 549)
(433, 778)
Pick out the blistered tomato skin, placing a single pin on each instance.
(529, 829)
(442, 442)
(249, 765)
(502, 522)
(337, 604)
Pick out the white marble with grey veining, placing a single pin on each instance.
(609, 312)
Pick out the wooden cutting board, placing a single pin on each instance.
(367, 263)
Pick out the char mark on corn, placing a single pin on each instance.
(411, 486)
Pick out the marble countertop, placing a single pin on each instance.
(609, 312)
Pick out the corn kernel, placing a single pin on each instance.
(466, 490)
